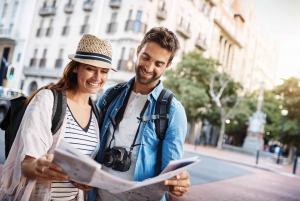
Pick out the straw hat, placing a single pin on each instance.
(93, 51)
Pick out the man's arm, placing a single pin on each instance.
(173, 149)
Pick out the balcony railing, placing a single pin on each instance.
(84, 29)
(42, 72)
(58, 63)
(112, 27)
(68, 8)
(47, 11)
(115, 4)
(184, 32)
(42, 63)
(87, 6)
(39, 32)
(65, 31)
(161, 14)
(48, 31)
(135, 26)
(5, 32)
(201, 44)
(126, 65)
(33, 62)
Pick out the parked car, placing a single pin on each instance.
(6, 94)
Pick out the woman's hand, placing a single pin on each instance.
(42, 169)
(81, 186)
(179, 185)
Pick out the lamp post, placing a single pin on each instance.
(283, 114)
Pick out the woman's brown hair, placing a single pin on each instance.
(67, 82)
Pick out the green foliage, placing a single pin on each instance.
(190, 83)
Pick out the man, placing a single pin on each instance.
(154, 56)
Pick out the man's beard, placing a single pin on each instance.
(142, 80)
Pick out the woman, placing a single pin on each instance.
(28, 173)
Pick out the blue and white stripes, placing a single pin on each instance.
(92, 56)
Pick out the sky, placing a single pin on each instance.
(281, 20)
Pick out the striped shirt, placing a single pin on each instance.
(84, 140)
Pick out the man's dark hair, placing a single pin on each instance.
(164, 37)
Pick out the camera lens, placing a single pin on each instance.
(108, 159)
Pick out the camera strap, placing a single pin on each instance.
(119, 117)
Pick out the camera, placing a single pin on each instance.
(117, 158)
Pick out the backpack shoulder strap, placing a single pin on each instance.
(96, 111)
(59, 109)
(162, 108)
(112, 94)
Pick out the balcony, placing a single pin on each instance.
(201, 44)
(5, 32)
(33, 62)
(126, 65)
(65, 31)
(47, 11)
(135, 26)
(42, 63)
(161, 14)
(44, 72)
(115, 4)
(87, 6)
(184, 32)
(68, 8)
(112, 27)
(84, 29)
(49, 32)
(58, 63)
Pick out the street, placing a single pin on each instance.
(215, 180)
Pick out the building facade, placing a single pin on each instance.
(222, 29)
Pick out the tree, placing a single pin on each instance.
(224, 93)
(291, 93)
(190, 83)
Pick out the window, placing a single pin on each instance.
(4, 10)
(15, 8)
(129, 14)
(112, 26)
(121, 61)
(19, 57)
(49, 29)
(33, 59)
(39, 30)
(54, 3)
(130, 64)
(11, 27)
(137, 24)
(66, 28)
(85, 27)
(59, 61)
(43, 59)
(161, 5)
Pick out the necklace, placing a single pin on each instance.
(86, 109)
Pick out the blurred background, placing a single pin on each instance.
(236, 74)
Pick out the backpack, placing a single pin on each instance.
(160, 117)
(13, 117)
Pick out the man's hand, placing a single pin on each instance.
(180, 184)
(81, 186)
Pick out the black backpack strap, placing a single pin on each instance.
(162, 108)
(96, 111)
(59, 109)
(112, 95)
